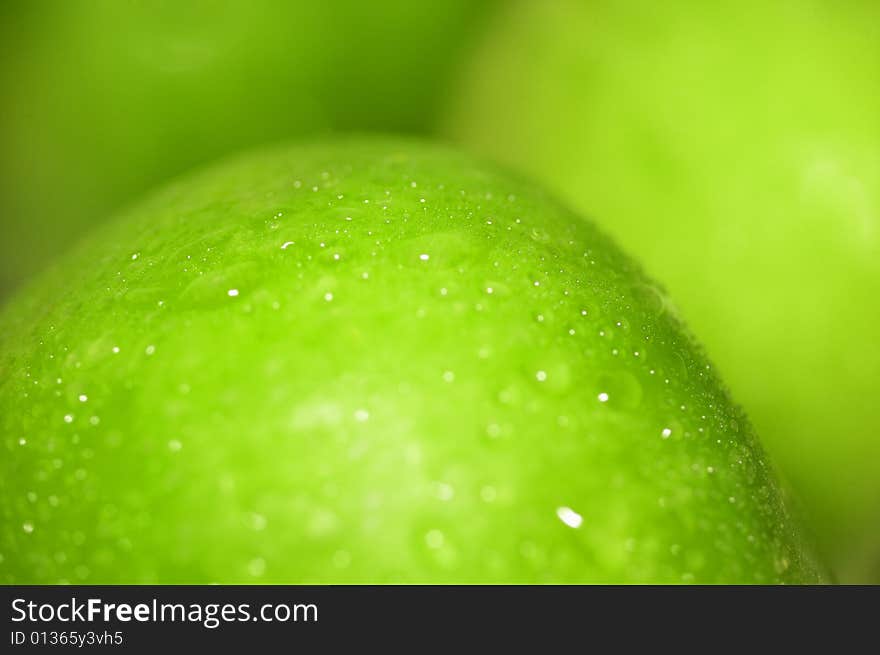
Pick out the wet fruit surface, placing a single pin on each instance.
(369, 361)
(734, 149)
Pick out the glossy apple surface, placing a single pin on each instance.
(103, 100)
(735, 150)
(369, 361)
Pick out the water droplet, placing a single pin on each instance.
(28, 527)
(666, 433)
(68, 418)
(488, 494)
(257, 567)
(287, 244)
(424, 256)
(328, 296)
(232, 293)
(603, 397)
(539, 235)
(623, 387)
(83, 397)
(541, 376)
(444, 491)
(434, 539)
(150, 350)
(568, 516)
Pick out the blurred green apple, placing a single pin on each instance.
(369, 361)
(735, 149)
(102, 99)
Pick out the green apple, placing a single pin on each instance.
(102, 100)
(369, 361)
(734, 148)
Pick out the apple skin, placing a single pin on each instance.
(103, 100)
(734, 149)
(369, 361)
